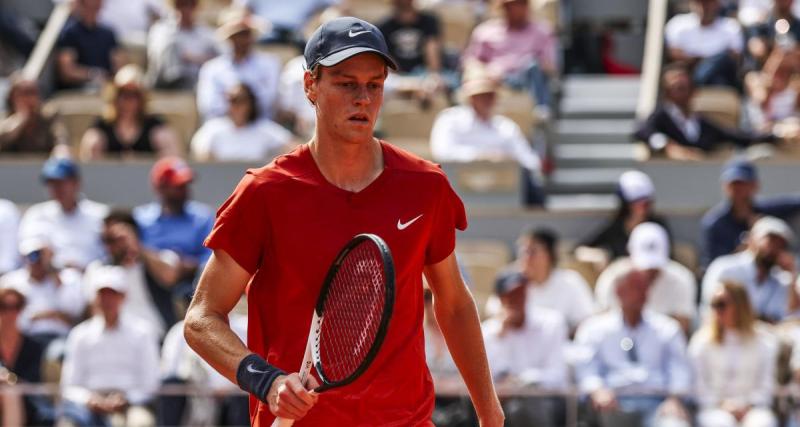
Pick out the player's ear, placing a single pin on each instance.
(310, 86)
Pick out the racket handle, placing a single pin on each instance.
(282, 422)
(305, 367)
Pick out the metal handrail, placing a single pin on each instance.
(653, 53)
(47, 40)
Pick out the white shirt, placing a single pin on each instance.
(685, 33)
(97, 358)
(168, 44)
(458, 135)
(741, 369)
(564, 291)
(689, 126)
(223, 140)
(130, 19)
(673, 292)
(66, 297)
(534, 354)
(9, 222)
(260, 71)
(292, 94)
(74, 237)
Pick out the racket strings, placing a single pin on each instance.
(352, 312)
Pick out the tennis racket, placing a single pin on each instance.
(351, 316)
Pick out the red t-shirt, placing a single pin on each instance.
(285, 223)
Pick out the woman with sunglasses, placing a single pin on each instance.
(734, 364)
(126, 129)
(29, 127)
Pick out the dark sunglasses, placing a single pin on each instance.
(719, 305)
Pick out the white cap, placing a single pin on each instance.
(770, 225)
(108, 276)
(635, 185)
(648, 246)
(33, 244)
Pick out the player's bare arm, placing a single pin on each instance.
(458, 319)
(208, 333)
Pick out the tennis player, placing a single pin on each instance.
(279, 231)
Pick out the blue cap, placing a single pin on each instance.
(342, 38)
(739, 170)
(59, 168)
(508, 282)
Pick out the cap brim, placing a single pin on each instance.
(340, 56)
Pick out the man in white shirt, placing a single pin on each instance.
(55, 298)
(111, 362)
(472, 132)
(707, 42)
(526, 349)
(287, 18)
(242, 64)
(9, 223)
(71, 222)
(673, 288)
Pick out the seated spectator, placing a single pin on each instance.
(55, 299)
(672, 287)
(87, 52)
(675, 130)
(519, 49)
(558, 289)
(71, 222)
(9, 224)
(734, 364)
(126, 129)
(287, 19)
(511, 338)
(295, 110)
(29, 128)
(414, 41)
(242, 64)
(150, 274)
(20, 363)
(766, 268)
(473, 132)
(241, 135)
(131, 19)
(774, 96)
(636, 195)
(638, 361)
(177, 47)
(725, 225)
(175, 222)
(707, 43)
(111, 361)
(763, 36)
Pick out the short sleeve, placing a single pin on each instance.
(241, 227)
(449, 215)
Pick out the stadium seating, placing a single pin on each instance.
(722, 104)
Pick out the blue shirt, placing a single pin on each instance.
(722, 232)
(183, 234)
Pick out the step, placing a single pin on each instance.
(584, 180)
(601, 86)
(596, 155)
(598, 108)
(581, 202)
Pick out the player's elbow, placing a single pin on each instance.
(194, 326)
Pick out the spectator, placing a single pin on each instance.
(177, 47)
(175, 222)
(636, 195)
(709, 44)
(260, 71)
(29, 128)
(725, 225)
(294, 106)
(126, 129)
(558, 289)
(519, 49)
(9, 224)
(71, 222)
(764, 36)
(766, 268)
(111, 361)
(55, 299)
(414, 41)
(20, 362)
(511, 339)
(472, 132)
(241, 135)
(734, 364)
(287, 20)
(638, 361)
(150, 275)
(131, 19)
(774, 96)
(678, 132)
(87, 52)
(672, 287)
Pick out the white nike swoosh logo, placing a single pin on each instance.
(402, 226)
(352, 34)
(253, 370)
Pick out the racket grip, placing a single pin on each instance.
(282, 422)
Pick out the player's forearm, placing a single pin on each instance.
(460, 327)
(211, 337)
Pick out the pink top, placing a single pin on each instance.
(505, 51)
